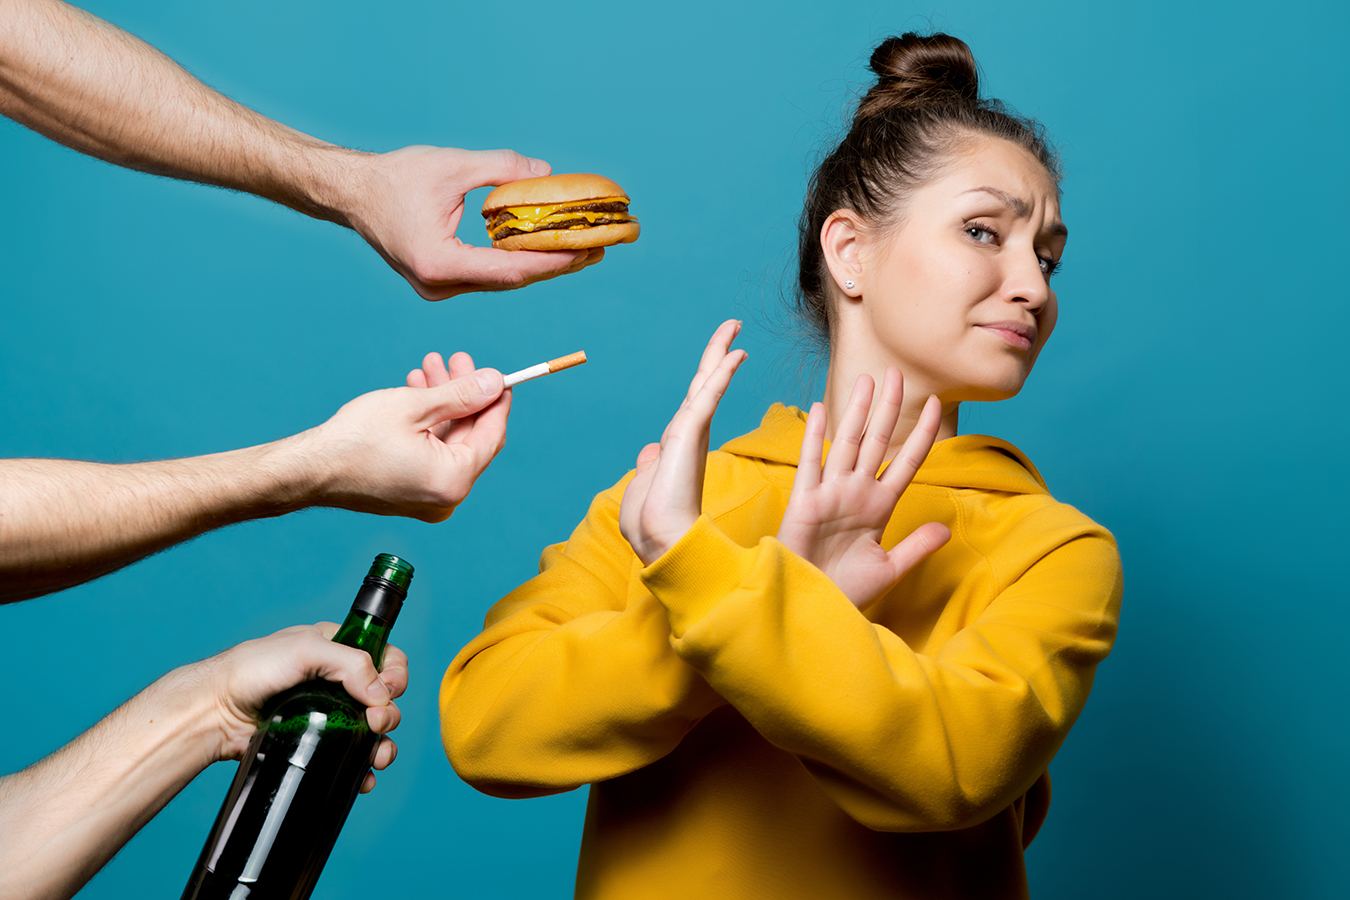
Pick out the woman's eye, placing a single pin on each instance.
(1048, 265)
(981, 234)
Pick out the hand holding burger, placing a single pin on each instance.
(559, 212)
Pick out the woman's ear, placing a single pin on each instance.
(839, 239)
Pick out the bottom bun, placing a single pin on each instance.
(572, 238)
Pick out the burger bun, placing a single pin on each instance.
(553, 189)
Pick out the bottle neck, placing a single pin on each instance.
(365, 632)
(371, 618)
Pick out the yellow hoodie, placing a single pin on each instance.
(748, 732)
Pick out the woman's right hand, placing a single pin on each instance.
(665, 497)
(835, 518)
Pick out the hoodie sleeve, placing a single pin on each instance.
(900, 740)
(574, 679)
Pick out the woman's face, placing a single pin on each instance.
(958, 297)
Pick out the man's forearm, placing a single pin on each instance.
(87, 84)
(64, 817)
(393, 452)
(63, 523)
(91, 86)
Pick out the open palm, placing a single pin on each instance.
(835, 517)
(665, 497)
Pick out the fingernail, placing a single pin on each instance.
(380, 691)
(487, 381)
(539, 167)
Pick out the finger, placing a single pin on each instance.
(490, 269)
(592, 256)
(460, 364)
(696, 418)
(684, 448)
(352, 668)
(385, 754)
(647, 457)
(487, 436)
(487, 168)
(584, 259)
(922, 542)
(433, 370)
(634, 498)
(384, 718)
(915, 449)
(677, 477)
(457, 398)
(394, 671)
(881, 425)
(716, 351)
(417, 379)
(368, 784)
(848, 434)
(813, 448)
(489, 426)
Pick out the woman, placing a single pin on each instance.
(784, 680)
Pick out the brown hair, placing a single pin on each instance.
(924, 106)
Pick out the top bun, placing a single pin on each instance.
(553, 189)
(916, 70)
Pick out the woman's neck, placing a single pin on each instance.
(843, 374)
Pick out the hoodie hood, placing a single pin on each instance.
(966, 461)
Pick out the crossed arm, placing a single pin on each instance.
(85, 83)
(650, 616)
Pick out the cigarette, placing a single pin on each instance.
(546, 368)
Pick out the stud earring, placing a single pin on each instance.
(848, 285)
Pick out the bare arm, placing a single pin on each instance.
(64, 522)
(91, 86)
(400, 451)
(64, 817)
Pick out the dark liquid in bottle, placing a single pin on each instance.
(295, 786)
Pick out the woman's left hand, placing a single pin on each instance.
(665, 497)
(835, 519)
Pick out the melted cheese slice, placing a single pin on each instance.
(529, 218)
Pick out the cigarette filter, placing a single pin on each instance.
(545, 368)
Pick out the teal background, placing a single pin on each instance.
(1190, 399)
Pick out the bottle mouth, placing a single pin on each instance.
(390, 568)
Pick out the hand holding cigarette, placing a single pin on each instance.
(460, 415)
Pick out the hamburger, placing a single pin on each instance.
(559, 212)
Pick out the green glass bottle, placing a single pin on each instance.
(302, 770)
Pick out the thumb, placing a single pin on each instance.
(458, 397)
(922, 542)
(493, 167)
(647, 457)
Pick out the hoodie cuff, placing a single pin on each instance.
(697, 573)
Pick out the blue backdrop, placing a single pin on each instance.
(1188, 400)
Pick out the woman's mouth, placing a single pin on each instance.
(1017, 334)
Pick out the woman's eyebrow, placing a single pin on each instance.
(1019, 207)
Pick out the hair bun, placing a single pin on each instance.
(914, 70)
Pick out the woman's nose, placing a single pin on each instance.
(1026, 284)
